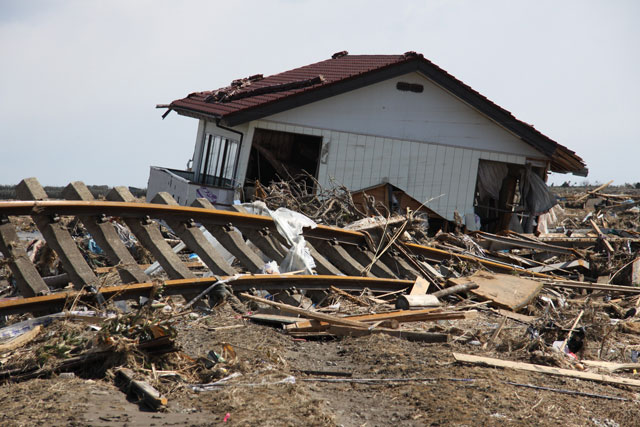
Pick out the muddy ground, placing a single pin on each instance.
(438, 390)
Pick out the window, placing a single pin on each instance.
(219, 159)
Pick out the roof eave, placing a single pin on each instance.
(196, 114)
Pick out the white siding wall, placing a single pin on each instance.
(434, 116)
(421, 169)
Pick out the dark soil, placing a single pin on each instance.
(443, 393)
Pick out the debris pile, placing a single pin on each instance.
(563, 301)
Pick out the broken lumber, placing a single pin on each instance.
(530, 367)
(420, 287)
(601, 236)
(413, 302)
(611, 366)
(463, 287)
(635, 272)
(589, 193)
(348, 296)
(333, 320)
(572, 284)
(573, 327)
(426, 315)
(498, 242)
(577, 263)
(149, 395)
(518, 317)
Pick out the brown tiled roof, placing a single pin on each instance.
(256, 97)
(332, 70)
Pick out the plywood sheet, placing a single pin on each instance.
(504, 290)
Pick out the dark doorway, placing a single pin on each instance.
(510, 196)
(282, 156)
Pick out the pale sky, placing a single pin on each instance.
(80, 79)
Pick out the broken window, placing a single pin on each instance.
(219, 159)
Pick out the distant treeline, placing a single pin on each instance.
(98, 191)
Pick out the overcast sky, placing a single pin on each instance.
(80, 79)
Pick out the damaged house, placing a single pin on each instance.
(363, 121)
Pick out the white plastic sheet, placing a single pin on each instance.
(290, 225)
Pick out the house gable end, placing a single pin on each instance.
(433, 116)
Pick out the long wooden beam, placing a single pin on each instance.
(521, 243)
(439, 255)
(425, 315)
(550, 370)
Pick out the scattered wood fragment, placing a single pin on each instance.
(576, 263)
(589, 193)
(381, 380)
(635, 272)
(420, 287)
(564, 343)
(272, 318)
(306, 313)
(601, 236)
(425, 315)
(611, 366)
(495, 333)
(457, 289)
(572, 284)
(327, 373)
(499, 363)
(348, 296)
(498, 242)
(149, 395)
(415, 302)
(519, 317)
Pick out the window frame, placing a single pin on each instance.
(219, 160)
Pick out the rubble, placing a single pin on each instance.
(562, 302)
